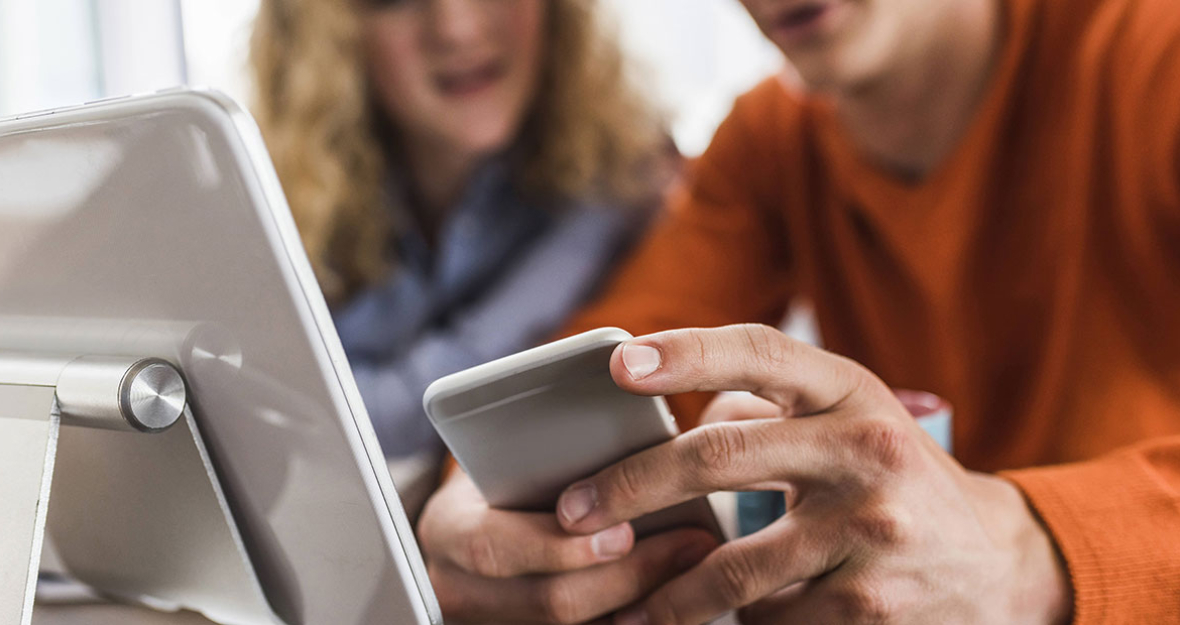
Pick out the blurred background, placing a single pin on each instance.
(60, 52)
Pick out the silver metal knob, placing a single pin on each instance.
(152, 397)
(142, 394)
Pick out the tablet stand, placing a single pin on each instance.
(134, 489)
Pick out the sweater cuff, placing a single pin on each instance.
(1116, 524)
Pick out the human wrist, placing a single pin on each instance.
(1040, 590)
(1050, 585)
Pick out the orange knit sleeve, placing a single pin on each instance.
(1117, 522)
(1116, 518)
(718, 255)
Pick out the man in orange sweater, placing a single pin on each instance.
(982, 199)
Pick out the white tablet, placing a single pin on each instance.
(155, 226)
(526, 426)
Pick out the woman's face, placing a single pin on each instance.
(455, 75)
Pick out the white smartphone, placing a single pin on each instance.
(526, 426)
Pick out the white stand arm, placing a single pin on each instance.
(141, 513)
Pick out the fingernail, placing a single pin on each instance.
(635, 616)
(611, 543)
(640, 360)
(577, 502)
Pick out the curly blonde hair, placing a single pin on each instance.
(590, 133)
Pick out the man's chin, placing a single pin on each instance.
(827, 75)
(835, 66)
(838, 61)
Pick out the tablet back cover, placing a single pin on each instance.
(154, 226)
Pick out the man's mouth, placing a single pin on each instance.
(470, 80)
(803, 17)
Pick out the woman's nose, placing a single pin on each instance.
(455, 22)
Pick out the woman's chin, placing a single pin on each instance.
(483, 140)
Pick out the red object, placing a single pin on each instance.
(922, 404)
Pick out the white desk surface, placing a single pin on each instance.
(111, 614)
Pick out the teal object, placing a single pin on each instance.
(756, 510)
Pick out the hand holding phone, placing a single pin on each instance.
(526, 426)
(503, 566)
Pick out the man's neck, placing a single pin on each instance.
(912, 120)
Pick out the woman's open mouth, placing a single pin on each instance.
(469, 81)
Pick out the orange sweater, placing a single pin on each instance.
(1033, 279)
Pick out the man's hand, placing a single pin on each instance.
(882, 525)
(490, 565)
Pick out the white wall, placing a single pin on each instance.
(140, 44)
(47, 54)
(59, 52)
(699, 54)
(217, 37)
